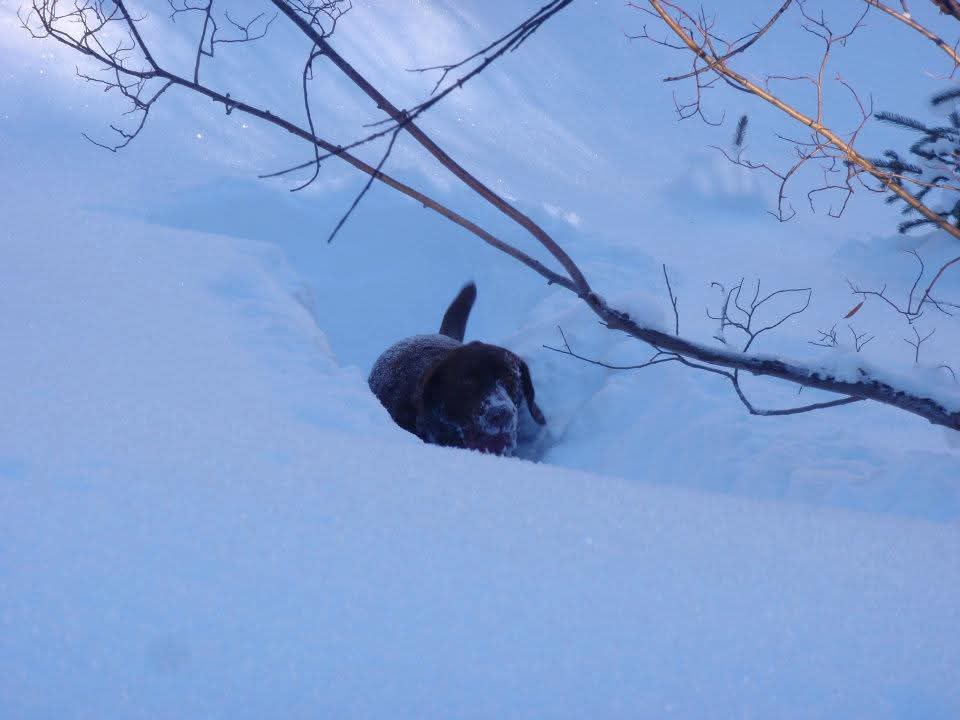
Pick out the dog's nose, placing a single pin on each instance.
(498, 415)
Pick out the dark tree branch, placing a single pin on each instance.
(302, 133)
(918, 342)
(741, 317)
(913, 311)
(827, 339)
(860, 340)
(868, 384)
(753, 37)
(658, 357)
(861, 383)
(661, 356)
(673, 302)
(948, 7)
(787, 411)
(307, 70)
(949, 370)
(366, 187)
(399, 117)
(508, 42)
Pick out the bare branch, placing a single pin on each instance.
(657, 359)
(751, 39)
(950, 370)
(827, 339)
(786, 411)
(673, 302)
(918, 342)
(913, 311)
(307, 70)
(366, 187)
(741, 317)
(132, 76)
(402, 119)
(859, 339)
(49, 20)
(704, 52)
(907, 19)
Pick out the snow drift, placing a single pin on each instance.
(205, 515)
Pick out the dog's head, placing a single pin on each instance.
(472, 399)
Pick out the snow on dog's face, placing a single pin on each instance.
(472, 398)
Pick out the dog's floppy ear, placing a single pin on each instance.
(423, 385)
(528, 393)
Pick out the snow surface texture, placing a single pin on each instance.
(668, 423)
(205, 516)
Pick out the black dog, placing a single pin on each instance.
(448, 393)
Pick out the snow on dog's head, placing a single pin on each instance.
(472, 399)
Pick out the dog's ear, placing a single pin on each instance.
(431, 375)
(527, 384)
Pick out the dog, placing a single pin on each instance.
(447, 392)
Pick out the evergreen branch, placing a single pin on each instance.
(945, 96)
(741, 131)
(901, 120)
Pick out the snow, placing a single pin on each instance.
(923, 381)
(207, 515)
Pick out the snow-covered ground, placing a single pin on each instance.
(668, 423)
(206, 515)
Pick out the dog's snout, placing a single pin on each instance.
(499, 415)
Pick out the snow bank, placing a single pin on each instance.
(206, 516)
(667, 424)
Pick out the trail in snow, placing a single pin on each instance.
(206, 516)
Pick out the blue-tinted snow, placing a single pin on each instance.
(209, 517)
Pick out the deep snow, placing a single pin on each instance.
(206, 515)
